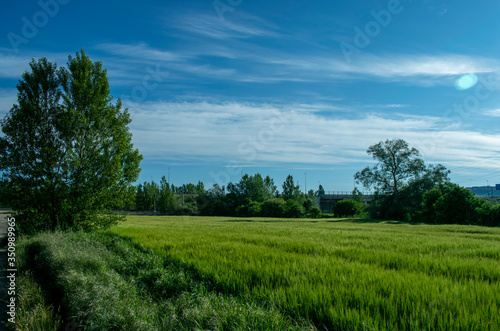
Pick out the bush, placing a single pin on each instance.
(294, 209)
(251, 209)
(314, 212)
(345, 208)
(273, 208)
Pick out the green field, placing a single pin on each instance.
(342, 274)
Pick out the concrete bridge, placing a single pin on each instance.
(328, 200)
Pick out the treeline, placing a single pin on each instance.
(407, 189)
(251, 196)
(422, 200)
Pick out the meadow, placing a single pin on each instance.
(341, 274)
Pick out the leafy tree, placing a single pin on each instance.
(397, 163)
(67, 147)
(215, 203)
(294, 209)
(273, 207)
(200, 188)
(167, 200)
(290, 190)
(456, 205)
(314, 212)
(357, 196)
(251, 208)
(255, 188)
(345, 208)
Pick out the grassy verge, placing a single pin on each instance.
(101, 282)
(33, 312)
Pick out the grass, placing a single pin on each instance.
(103, 282)
(341, 275)
(34, 312)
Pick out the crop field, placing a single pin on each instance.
(342, 274)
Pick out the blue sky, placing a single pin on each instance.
(220, 88)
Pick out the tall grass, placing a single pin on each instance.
(351, 275)
(101, 282)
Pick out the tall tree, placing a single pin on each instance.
(290, 190)
(67, 147)
(397, 163)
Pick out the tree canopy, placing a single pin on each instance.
(67, 147)
(397, 163)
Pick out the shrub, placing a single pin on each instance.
(273, 208)
(294, 209)
(314, 212)
(345, 208)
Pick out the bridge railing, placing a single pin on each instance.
(346, 193)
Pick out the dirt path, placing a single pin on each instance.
(3, 267)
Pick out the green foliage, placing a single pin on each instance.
(102, 282)
(273, 208)
(67, 148)
(293, 209)
(396, 164)
(290, 190)
(451, 203)
(346, 208)
(314, 212)
(33, 313)
(358, 196)
(251, 208)
(354, 275)
(255, 188)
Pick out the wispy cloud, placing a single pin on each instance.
(240, 26)
(260, 134)
(492, 112)
(423, 65)
(8, 97)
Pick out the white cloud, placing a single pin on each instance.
(492, 112)
(8, 97)
(212, 26)
(12, 66)
(260, 134)
(423, 65)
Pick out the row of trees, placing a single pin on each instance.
(251, 196)
(258, 196)
(407, 189)
(68, 152)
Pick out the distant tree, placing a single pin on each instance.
(290, 190)
(397, 163)
(254, 187)
(451, 204)
(321, 190)
(273, 208)
(200, 188)
(67, 148)
(215, 203)
(294, 209)
(357, 196)
(345, 208)
(314, 212)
